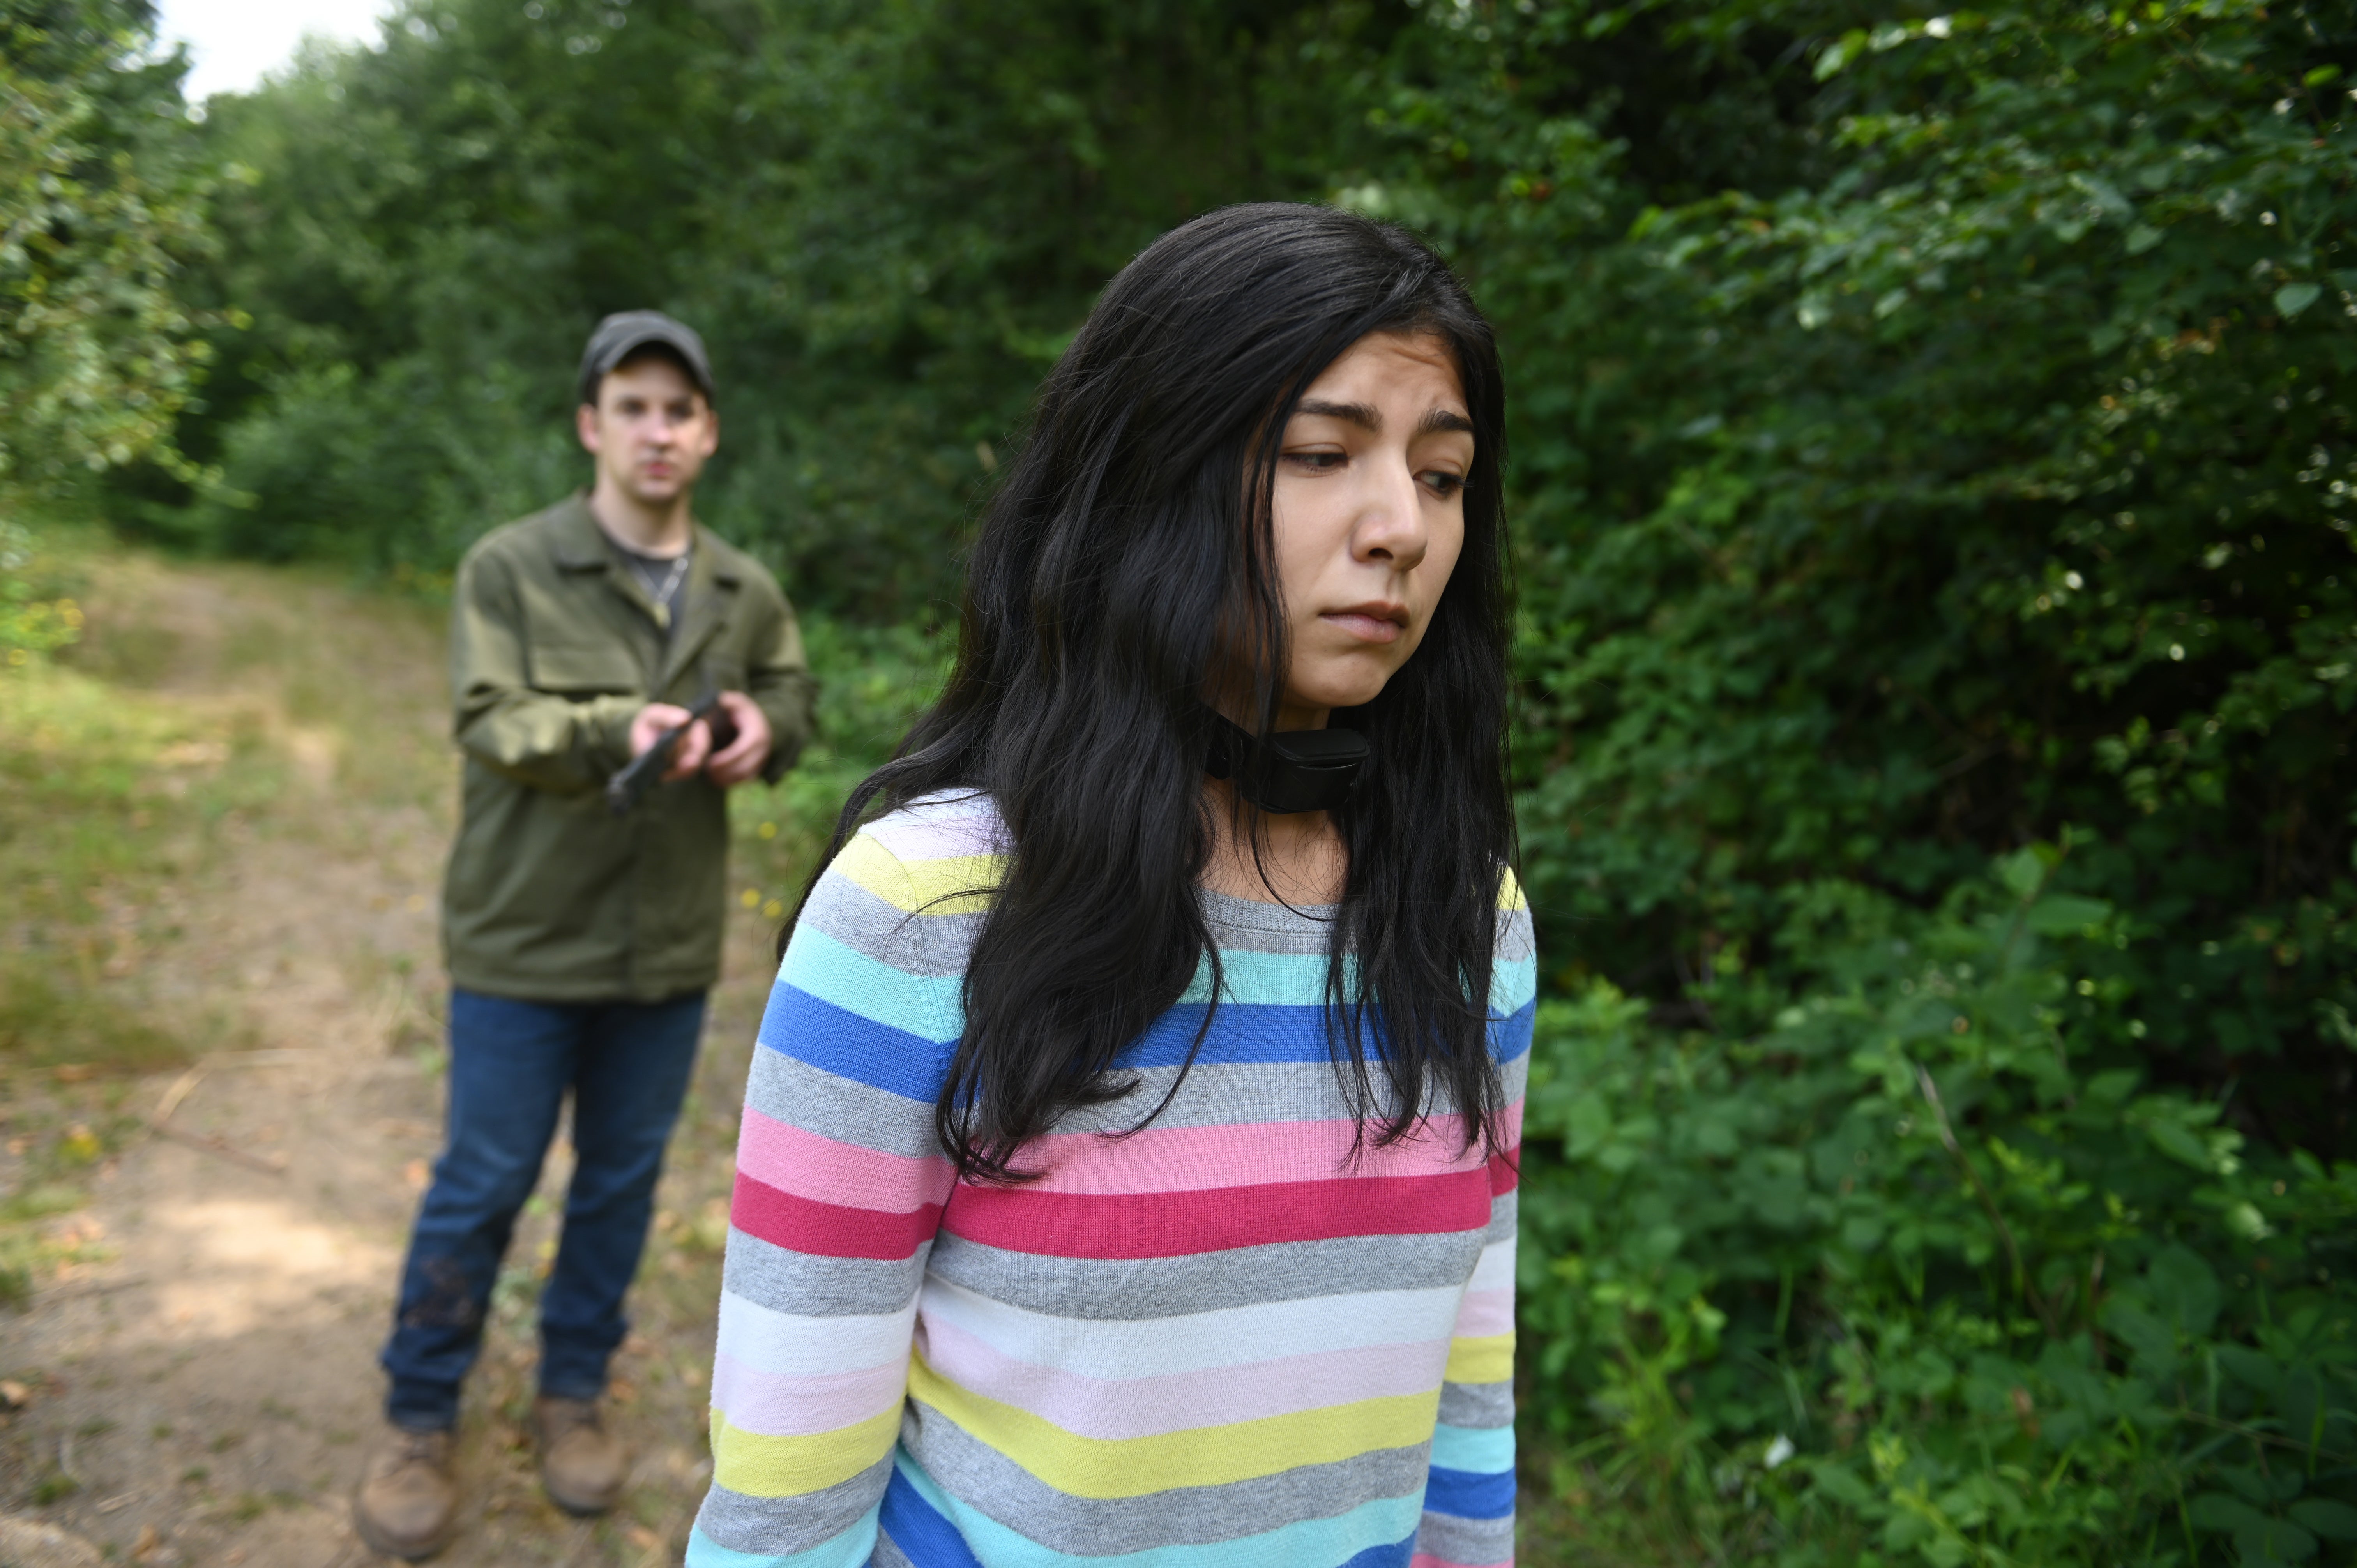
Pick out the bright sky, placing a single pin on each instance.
(232, 43)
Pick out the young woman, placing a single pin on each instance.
(1127, 1166)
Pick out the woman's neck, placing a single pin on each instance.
(1300, 856)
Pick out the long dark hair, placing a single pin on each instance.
(1128, 545)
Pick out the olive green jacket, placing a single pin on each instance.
(554, 648)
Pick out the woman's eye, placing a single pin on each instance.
(1317, 462)
(1444, 484)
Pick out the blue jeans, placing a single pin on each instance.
(510, 1065)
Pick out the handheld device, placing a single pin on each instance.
(626, 788)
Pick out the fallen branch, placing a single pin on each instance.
(269, 1165)
(160, 1123)
(274, 1057)
(174, 1095)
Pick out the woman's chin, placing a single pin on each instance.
(1340, 689)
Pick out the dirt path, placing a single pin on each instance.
(203, 1391)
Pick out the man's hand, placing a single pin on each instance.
(692, 748)
(745, 755)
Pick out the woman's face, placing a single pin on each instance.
(1370, 517)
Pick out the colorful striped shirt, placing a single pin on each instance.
(1239, 1338)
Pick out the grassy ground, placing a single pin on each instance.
(109, 795)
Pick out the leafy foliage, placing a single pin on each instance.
(1945, 470)
(1908, 1271)
(37, 614)
(100, 211)
(886, 220)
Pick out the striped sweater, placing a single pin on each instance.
(1227, 1341)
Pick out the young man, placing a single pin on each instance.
(580, 943)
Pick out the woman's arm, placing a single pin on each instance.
(1468, 1503)
(839, 1190)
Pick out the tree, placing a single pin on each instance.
(101, 214)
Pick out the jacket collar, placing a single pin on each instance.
(704, 600)
(582, 545)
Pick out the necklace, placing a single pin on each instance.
(660, 596)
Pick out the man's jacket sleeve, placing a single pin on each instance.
(778, 675)
(548, 742)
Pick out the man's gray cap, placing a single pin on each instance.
(625, 332)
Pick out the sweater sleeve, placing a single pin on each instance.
(1468, 1499)
(839, 1191)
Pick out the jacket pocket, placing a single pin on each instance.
(725, 671)
(578, 669)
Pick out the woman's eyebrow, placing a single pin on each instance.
(1357, 413)
(1371, 419)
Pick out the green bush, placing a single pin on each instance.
(393, 474)
(874, 681)
(102, 211)
(1970, 476)
(37, 615)
(1907, 1275)
(1927, 438)
(886, 221)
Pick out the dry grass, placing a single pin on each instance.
(222, 820)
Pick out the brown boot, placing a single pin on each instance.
(407, 1502)
(582, 1464)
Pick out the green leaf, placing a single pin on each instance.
(2153, 1341)
(2272, 1542)
(2321, 75)
(2221, 1512)
(2023, 872)
(2295, 297)
(2174, 1139)
(2060, 914)
(1840, 53)
(2143, 237)
(2334, 1521)
(2185, 1287)
(1841, 1485)
(2255, 1368)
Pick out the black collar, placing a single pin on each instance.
(1293, 770)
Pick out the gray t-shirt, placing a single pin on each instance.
(665, 577)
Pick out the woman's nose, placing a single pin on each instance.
(1390, 525)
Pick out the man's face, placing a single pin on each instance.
(651, 429)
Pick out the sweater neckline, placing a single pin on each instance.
(1257, 915)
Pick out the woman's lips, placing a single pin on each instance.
(1365, 627)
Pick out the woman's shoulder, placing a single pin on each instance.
(914, 876)
(1517, 940)
(887, 929)
(949, 842)
(947, 822)
(869, 986)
